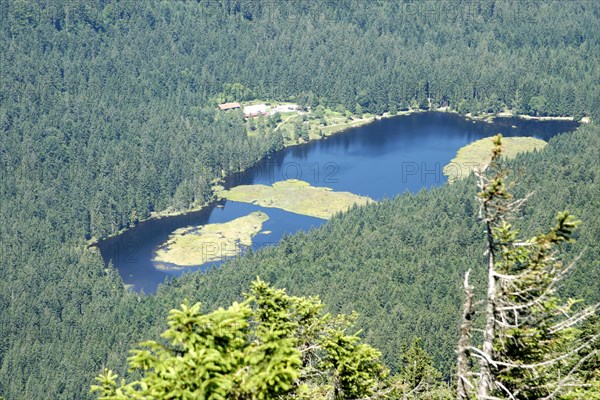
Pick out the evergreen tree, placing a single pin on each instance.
(419, 378)
(267, 346)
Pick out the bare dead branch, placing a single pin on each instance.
(563, 382)
(575, 319)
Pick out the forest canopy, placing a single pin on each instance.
(108, 114)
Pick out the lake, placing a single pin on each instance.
(380, 160)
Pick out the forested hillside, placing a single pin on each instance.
(107, 113)
(400, 263)
(115, 101)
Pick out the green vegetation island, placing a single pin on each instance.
(198, 245)
(477, 155)
(109, 115)
(296, 196)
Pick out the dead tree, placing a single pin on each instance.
(529, 349)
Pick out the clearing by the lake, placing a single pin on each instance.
(298, 125)
(296, 196)
(478, 153)
(192, 246)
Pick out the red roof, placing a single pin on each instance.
(229, 106)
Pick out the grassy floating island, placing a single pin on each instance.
(192, 246)
(478, 153)
(296, 196)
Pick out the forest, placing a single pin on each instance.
(108, 114)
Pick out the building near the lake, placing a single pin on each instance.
(284, 108)
(255, 110)
(229, 106)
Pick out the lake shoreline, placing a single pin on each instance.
(489, 117)
(156, 216)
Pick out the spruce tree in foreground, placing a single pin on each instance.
(269, 346)
(531, 348)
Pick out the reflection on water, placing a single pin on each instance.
(382, 159)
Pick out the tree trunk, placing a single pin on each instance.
(485, 381)
(464, 342)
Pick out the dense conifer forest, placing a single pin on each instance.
(108, 113)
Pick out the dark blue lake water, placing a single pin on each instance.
(382, 159)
